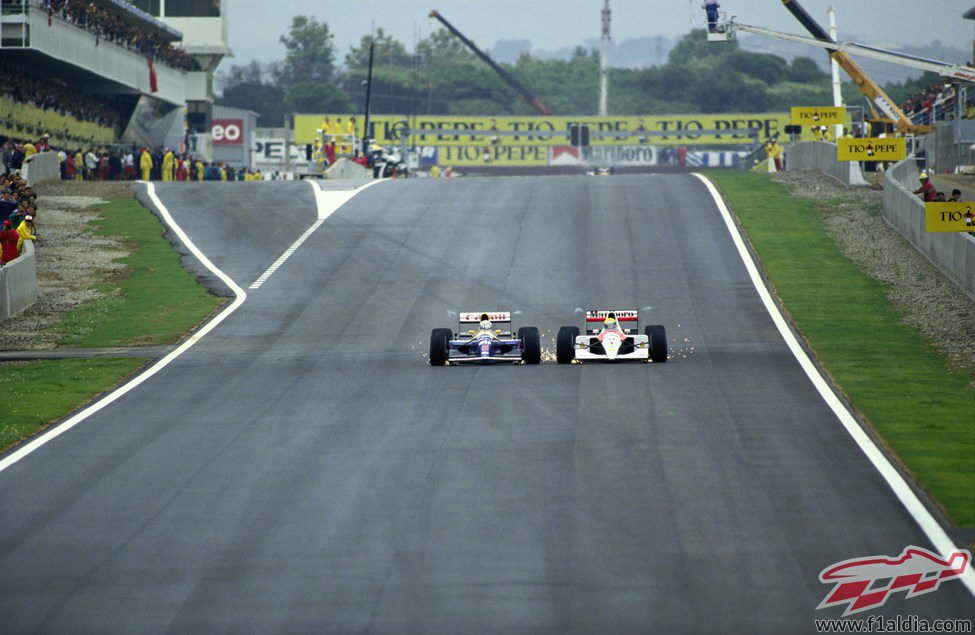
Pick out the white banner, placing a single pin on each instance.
(603, 155)
(270, 151)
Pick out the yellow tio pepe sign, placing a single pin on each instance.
(822, 116)
(871, 149)
(949, 217)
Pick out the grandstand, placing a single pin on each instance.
(108, 71)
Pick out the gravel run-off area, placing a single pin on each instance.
(921, 293)
(71, 260)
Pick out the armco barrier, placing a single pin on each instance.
(821, 156)
(952, 253)
(18, 282)
(41, 167)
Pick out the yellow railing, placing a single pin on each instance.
(23, 121)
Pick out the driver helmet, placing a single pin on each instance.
(610, 322)
(485, 323)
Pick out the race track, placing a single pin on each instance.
(303, 468)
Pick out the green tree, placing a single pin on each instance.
(388, 52)
(441, 47)
(314, 97)
(805, 71)
(310, 52)
(252, 87)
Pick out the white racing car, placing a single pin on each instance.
(611, 336)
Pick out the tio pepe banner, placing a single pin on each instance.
(676, 130)
(949, 217)
(822, 116)
(871, 149)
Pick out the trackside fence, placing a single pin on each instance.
(952, 253)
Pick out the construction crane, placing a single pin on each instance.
(719, 30)
(523, 92)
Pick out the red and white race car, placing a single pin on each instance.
(611, 335)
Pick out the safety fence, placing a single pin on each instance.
(41, 167)
(18, 282)
(952, 253)
(821, 156)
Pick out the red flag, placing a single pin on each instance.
(153, 84)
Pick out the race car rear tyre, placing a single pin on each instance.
(439, 346)
(658, 343)
(565, 344)
(531, 344)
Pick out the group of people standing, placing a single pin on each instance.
(161, 164)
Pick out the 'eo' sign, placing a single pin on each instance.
(228, 132)
(949, 217)
(878, 149)
(824, 116)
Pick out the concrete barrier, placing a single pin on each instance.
(952, 253)
(18, 282)
(821, 156)
(41, 167)
(347, 169)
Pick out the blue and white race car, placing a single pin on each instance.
(478, 341)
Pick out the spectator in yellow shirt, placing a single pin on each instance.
(26, 231)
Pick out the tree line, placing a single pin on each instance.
(442, 77)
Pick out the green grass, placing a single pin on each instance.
(153, 301)
(904, 387)
(40, 392)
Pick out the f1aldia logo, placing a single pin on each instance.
(866, 583)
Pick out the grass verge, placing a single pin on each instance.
(41, 392)
(923, 410)
(154, 301)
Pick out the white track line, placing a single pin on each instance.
(931, 528)
(327, 201)
(239, 297)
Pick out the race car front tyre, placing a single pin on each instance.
(531, 344)
(439, 346)
(565, 344)
(658, 343)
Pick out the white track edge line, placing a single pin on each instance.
(239, 296)
(928, 524)
(324, 210)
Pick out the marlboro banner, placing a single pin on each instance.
(823, 116)
(880, 149)
(949, 217)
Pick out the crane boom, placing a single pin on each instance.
(523, 92)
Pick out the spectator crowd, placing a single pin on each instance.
(47, 93)
(18, 211)
(936, 103)
(105, 26)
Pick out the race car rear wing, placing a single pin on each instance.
(501, 320)
(629, 321)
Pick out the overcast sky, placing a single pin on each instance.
(255, 25)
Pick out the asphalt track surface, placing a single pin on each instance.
(303, 468)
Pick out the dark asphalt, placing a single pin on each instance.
(302, 468)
